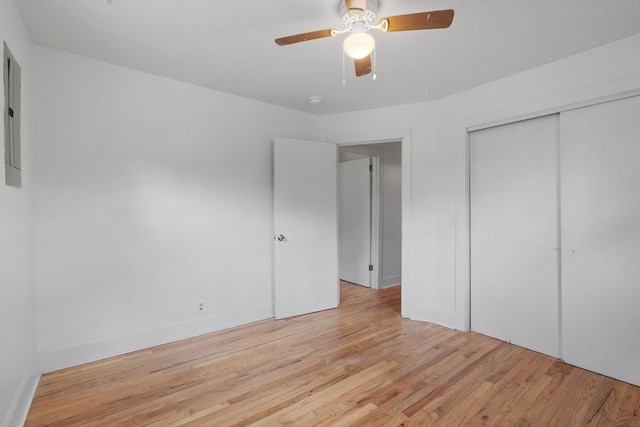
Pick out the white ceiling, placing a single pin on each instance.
(228, 45)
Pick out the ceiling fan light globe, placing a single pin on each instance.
(359, 45)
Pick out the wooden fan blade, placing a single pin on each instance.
(283, 41)
(363, 66)
(421, 21)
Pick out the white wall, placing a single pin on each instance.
(152, 195)
(436, 280)
(346, 156)
(18, 368)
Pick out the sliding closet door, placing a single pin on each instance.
(514, 233)
(601, 238)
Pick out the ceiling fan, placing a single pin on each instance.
(359, 18)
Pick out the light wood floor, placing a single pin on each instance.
(361, 364)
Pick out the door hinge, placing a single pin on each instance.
(370, 168)
(370, 267)
(10, 112)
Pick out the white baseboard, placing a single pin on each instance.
(22, 402)
(431, 315)
(77, 355)
(388, 282)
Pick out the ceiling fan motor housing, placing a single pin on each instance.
(359, 9)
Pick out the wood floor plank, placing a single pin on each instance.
(531, 389)
(359, 365)
(628, 412)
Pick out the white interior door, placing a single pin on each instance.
(601, 238)
(306, 227)
(514, 233)
(354, 206)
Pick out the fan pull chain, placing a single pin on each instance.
(344, 78)
(375, 56)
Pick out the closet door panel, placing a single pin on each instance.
(601, 238)
(514, 233)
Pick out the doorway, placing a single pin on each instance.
(298, 289)
(370, 214)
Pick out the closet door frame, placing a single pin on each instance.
(605, 93)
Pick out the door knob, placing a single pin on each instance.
(572, 252)
(281, 238)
